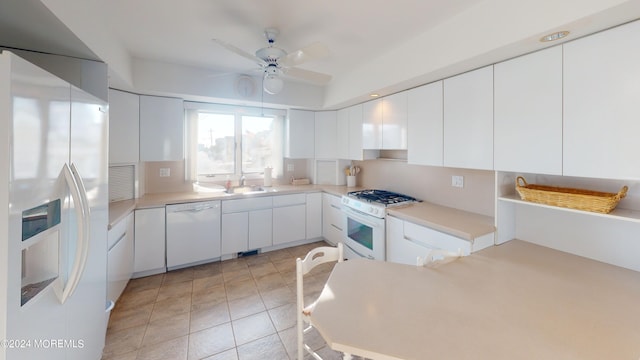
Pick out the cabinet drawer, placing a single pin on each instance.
(240, 205)
(332, 210)
(119, 266)
(335, 217)
(333, 234)
(116, 232)
(432, 239)
(287, 200)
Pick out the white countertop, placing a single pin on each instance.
(460, 223)
(119, 209)
(513, 301)
(463, 224)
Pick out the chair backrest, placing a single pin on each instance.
(314, 258)
(320, 255)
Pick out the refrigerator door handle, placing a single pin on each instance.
(86, 226)
(81, 247)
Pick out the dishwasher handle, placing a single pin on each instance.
(192, 208)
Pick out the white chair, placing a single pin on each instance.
(314, 258)
(438, 257)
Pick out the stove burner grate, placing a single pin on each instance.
(382, 196)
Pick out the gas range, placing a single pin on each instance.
(374, 202)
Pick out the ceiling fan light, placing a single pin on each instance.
(272, 84)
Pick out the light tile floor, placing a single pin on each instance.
(235, 309)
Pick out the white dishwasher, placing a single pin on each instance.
(193, 233)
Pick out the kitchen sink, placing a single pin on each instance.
(247, 190)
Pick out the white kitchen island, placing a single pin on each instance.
(513, 301)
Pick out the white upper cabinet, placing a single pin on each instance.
(394, 121)
(355, 132)
(161, 129)
(342, 136)
(528, 113)
(299, 138)
(325, 135)
(124, 127)
(384, 123)
(424, 105)
(468, 120)
(601, 111)
(372, 124)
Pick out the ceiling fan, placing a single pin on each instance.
(275, 62)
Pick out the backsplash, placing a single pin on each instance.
(432, 184)
(427, 183)
(174, 182)
(154, 183)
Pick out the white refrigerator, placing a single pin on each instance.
(53, 216)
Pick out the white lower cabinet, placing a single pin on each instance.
(406, 241)
(235, 232)
(260, 228)
(289, 218)
(120, 260)
(246, 224)
(397, 250)
(331, 218)
(314, 215)
(149, 242)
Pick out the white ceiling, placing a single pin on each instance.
(354, 31)
(375, 45)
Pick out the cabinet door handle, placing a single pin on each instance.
(336, 207)
(118, 241)
(420, 243)
(336, 227)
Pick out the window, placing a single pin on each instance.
(226, 141)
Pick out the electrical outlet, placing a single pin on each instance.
(457, 181)
(165, 172)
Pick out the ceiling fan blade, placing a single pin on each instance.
(308, 75)
(240, 52)
(317, 50)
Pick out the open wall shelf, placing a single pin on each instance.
(618, 213)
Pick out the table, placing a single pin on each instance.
(513, 301)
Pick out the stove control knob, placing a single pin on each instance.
(373, 210)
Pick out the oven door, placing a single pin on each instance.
(363, 235)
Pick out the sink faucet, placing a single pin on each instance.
(242, 179)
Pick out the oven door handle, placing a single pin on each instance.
(361, 217)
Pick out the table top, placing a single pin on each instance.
(515, 300)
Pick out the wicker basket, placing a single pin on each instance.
(587, 200)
